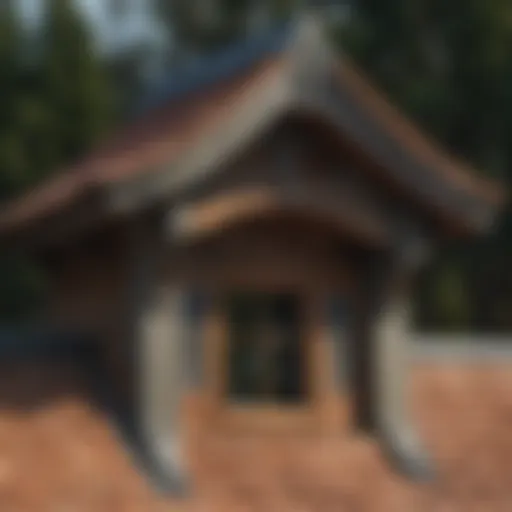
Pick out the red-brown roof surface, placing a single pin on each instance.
(154, 140)
(424, 148)
(58, 452)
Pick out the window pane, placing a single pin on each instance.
(265, 358)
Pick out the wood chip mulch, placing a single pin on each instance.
(59, 453)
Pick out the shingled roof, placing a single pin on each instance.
(216, 105)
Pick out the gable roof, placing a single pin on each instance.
(216, 106)
(207, 71)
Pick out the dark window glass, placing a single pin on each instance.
(265, 352)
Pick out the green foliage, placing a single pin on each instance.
(23, 286)
(53, 106)
(74, 84)
(199, 26)
(450, 298)
(12, 157)
(446, 63)
(449, 66)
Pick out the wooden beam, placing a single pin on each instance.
(380, 337)
(344, 210)
(158, 336)
(205, 217)
(59, 229)
(249, 119)
(331, 99)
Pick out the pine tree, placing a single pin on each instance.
(55, 105)
(75, 85)
(12, 158)
(447, 64)
(200, 26)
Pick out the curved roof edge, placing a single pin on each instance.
(207, 92)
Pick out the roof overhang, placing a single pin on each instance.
(306, 76)
(207, 217)
(314, 80)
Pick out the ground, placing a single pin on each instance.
(58, 452)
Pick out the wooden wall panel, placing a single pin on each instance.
(279, 255)
(89, 294)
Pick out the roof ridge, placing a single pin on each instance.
(215, 67)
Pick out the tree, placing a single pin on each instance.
(75, 85)
(55, 105)
(12, 158)
(198, 26)
(447, 64)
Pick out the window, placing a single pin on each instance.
(264, 348)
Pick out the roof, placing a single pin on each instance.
(207, 71)
(213, 102)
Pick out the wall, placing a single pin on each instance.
(89, 294)
(279, 253)
(94, 279)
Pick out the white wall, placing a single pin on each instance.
(460, 347)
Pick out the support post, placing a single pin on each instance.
(159, 360)
(381, 348)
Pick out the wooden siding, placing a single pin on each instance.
(89, 295)
(277, 254)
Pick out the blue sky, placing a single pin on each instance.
(137, 26)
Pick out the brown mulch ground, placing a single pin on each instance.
(59, 453)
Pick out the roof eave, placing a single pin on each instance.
(467, 200)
